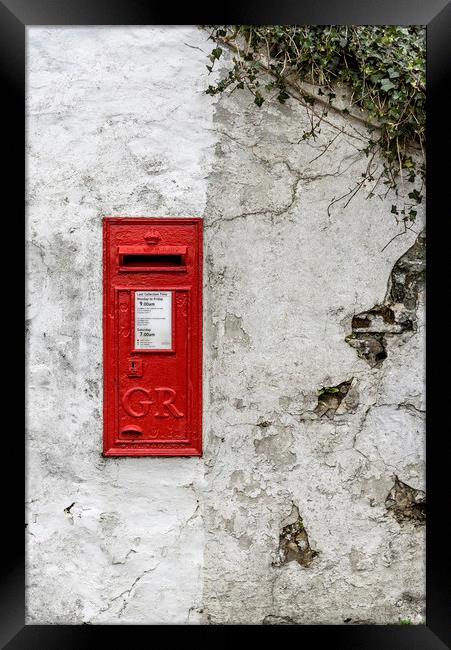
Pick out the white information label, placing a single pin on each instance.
(153, 320)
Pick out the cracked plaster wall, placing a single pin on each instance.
(118, 123)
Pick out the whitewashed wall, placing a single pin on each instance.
(118, 123)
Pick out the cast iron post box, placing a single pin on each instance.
(152, 336)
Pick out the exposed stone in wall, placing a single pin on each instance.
(278, 620)
(371, 329)
(408, 277)
(406, 503)
(330, 398)
(294, 542)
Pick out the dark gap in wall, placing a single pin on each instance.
(406, 503)
(371, 329)
(294, 543)
(330, 398)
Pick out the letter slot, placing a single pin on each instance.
(152, 336)
(152, 258)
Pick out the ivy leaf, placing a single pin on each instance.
(283, 96)
(308, 99)
(392, 73)
(216, 53)
(416, 196)
(386, 84)
(382, 65)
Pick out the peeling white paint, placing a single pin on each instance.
(119, 124)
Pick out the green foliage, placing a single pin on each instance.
(330, 390)
(383, 66)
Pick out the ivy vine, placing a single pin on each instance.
(383, 68)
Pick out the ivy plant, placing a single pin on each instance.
(383, 68)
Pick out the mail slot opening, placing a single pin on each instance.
(132, 430)
(152, 260)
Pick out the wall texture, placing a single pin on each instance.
(308, 504)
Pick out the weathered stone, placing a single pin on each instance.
(371, 329)
(406, 503)
(294, 542)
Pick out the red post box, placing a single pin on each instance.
(152, 336)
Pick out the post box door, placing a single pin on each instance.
(152, 318)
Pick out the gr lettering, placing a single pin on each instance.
(137, 402)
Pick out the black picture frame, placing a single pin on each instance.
(15, 16)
